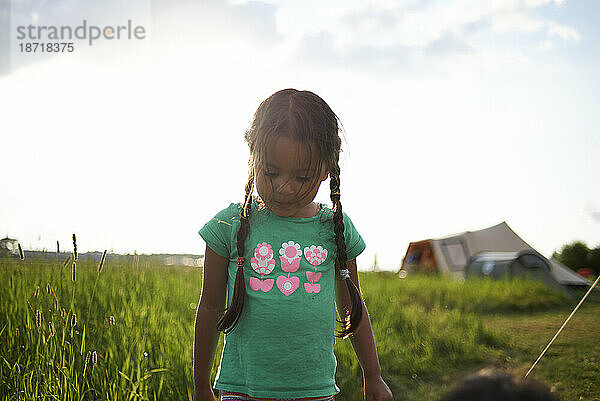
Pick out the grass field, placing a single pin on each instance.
(126, 333)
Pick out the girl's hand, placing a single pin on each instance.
(377, 390)
(204, 394)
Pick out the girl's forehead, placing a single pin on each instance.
(286, 153)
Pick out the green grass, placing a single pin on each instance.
(572, 365)
(430, 332)
(145, 355)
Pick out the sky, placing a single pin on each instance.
(457, 115)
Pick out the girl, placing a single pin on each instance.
(277, 257)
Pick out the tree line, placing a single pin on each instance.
(577, 255)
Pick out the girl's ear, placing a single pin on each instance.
(325, 176)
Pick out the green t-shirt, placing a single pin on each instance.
(282, 346)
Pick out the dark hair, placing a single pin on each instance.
(304, 117)
(492, 385)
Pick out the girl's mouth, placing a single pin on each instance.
(283, 205)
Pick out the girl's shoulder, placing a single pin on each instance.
(328, 213)
(230, 212)
(219, 231)
(227, 216)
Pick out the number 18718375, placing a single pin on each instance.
(40, 47)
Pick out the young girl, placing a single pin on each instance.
(281, 261)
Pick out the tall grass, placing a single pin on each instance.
(125, 331)
(145, 354)
(472, 295)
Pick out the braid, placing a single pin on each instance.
(233, 313)
(352, 319)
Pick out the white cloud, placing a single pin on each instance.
(382, 35)
(389, 35)
(388, 23)
(516, 22)
(564, 32)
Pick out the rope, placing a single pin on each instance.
(562, 327)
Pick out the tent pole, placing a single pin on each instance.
(563, 326)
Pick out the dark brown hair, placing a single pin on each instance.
(493, 385)
(304, 117)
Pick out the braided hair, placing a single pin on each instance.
(306, 118)
(232, 315)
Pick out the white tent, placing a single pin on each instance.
(452, 253)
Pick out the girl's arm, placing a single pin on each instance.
(362, 341)
(210, 308)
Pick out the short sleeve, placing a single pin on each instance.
(355, 245)
(217, 232)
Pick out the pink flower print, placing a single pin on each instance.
(264, 286)
(262, 267)
(315, 255)
(287, 285)
(314, 277)
(263, 252)
(290, 256)
(263, 262)
(314, 288)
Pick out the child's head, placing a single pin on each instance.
(492, 385)
(294, 141)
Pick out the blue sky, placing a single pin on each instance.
(458, 115)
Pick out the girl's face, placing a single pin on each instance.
(289, 180)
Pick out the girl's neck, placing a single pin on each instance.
(311, 210)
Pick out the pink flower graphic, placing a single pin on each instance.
(290, 250)
(263, 252)
(315, 254)
(262, 267)
(290, 256)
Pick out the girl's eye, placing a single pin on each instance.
(270, 174)
(304, 179)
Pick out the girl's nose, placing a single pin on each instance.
(285, 187)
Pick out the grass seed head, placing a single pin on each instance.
(63, 313)
(94, 357)
(37, 291)
(101, 264)
(57, 248)
(17, 332)
(74, 247)
(48, 288)
(51, 328)
(21, 254)
(38, 318)
(74, 271)
(74, 320)
(111, 320)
